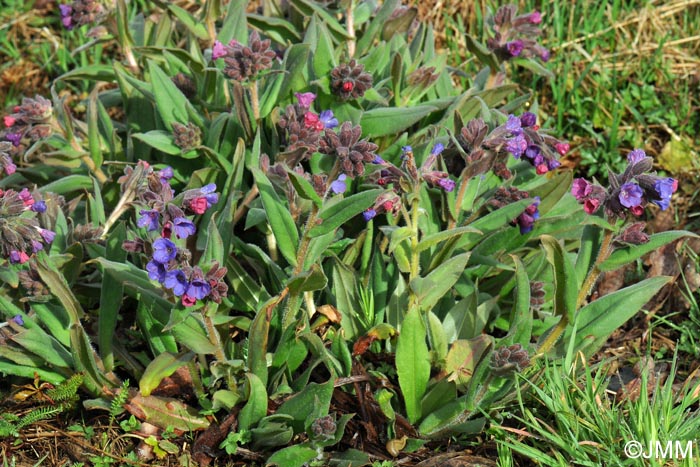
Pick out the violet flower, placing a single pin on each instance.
(176, 281)
(630, 195)
(339, 185)
(164, 250)
(149, 219)
(156, 271)
(183, 227)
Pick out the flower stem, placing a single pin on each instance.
(415, 255)
(586, 288)
(350, 23)
(254, 100)
(458, 202)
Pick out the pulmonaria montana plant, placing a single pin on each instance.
(302, 128)
(169, 261)
(245, 62)
(28, 123)
(21, 232)
(80, 13)
(483, 149)
(516, 35)
(629, 191)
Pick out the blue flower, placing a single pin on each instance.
(183, 227)
(18, 320)
(369, 214)
(156, 271)
(437, 149)
(208, 192)
(665, 187)
(513, 124)
(39, 206)
(636, 156)
(164, 250)
(176, 281)
(446, 184)
(516, 145)
(631, 195)
(339, 185)
(378, 160)
(329, 121)
(149, 219)
(198, 289)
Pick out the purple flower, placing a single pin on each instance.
(535, 17)
(18, 257)
(446, 184)
(66, 19)
(513, 125)
(544, 54)
(156, 271)
(369, 214)
(305, 99)
(183, 227)
(339, 185)
(39, 206)
(665, 187)
(515, 47)
(10, 168)
(176, 281)
(527, 219)
(47, 235)
(532, 152)
(165, 174)
(36, 246)
(378, 160)
(218, 50)
(517, 145)
(635, 156)
(329, 121)
(18, 320)
(553, 164)
(630, 195)
(14, 138)
(528, 119)
(437, 149)
(164, 250)
(208, 192)
(581, 189)
(149, 219)
(198, 289)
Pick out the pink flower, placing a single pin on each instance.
(188, 301)
(591, 205)
(581, 189)
(562, 148)
(535, 17)
(9, 120)
(311, 121)
(542, 169)
(198, 205)
(305, 99)
(218, 50)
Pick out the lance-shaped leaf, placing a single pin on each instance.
(596, 321)
(625, 255)
(392, 120)
(166, 413)
(281, 221)
(313, 398)
(413, 362)
(256, 407)
(293, 456)
(58, 286)
(565, 281)
(161, 367)
(431, 288)
(307, 281)
(304, 189)
(334, 214)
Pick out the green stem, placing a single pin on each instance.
(458, 201)
(415, 255)
(215, 340)
(350, 23)
(586, 288)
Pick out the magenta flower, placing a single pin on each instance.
(66, 16)
(535, 17)
(581, 189)
(218, 50)
(630, 195)
(515, 47)
(305, 99)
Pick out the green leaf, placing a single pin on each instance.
(314, 397)
(90, 72)
(587, 252)
(256, 407)
(413, 363)
(168, 413)
(392, 120)
(309, 8)
(234, 25)
(214, 250)
(596, 321)
(58, 286)
(111, 294)
(277, 29)
(68, 184)
(292, 456)
(565, 281)
(160, 368)
(160, 140)
(307, 281)
(625, 255)
(170, 102)
(38, 342)
(521, 321)
(334, 214)
(281, 221)
(551, 192)
(186, 19)
(85, 360)
(257, 342)
(431, 288)
(485, 56)
(304, 189)
(434, 239)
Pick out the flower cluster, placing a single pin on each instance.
(245, 62)
(526, 220)
(513, 358)
(350, 80)
(351, 152)
(188, 136)
(303, 127)
(80, 13)
(21, 233)
(521, 137)
(516, 35)
(629, 191)
(31, 121)
(169, 263)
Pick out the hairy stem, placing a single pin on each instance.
(254, 100)
(350, 23)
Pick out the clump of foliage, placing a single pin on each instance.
(258, 212)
